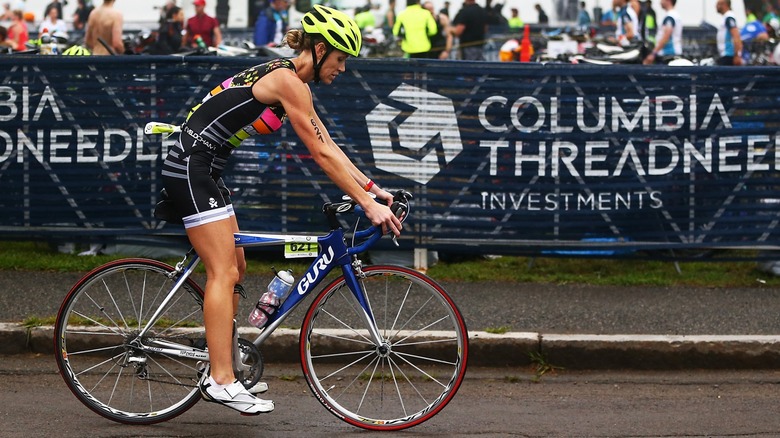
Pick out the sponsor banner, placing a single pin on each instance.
(502, 158)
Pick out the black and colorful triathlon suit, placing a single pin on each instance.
(228, 115)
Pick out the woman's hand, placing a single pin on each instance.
(381, 215)
(383, 195)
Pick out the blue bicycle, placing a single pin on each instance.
(382, 347)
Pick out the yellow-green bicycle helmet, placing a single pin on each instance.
(338, 29)
(77, 51)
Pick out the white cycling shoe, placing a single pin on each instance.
(235, 396)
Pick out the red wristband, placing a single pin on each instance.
(368, 185)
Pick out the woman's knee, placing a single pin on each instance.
(225, 276)
(232, 275)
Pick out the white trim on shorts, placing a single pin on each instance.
(206, 217)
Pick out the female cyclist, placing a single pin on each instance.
(257, 101)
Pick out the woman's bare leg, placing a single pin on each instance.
(240, 264)
(215, 245)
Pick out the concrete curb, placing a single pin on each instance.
(646, 352)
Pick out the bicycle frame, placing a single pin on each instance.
(333, 251)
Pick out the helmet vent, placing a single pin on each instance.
(339, 39)
(317, 15)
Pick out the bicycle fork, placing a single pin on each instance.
(352, 274)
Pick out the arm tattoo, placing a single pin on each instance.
(317, 131)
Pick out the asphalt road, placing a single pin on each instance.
(492, 402)
(549, 309)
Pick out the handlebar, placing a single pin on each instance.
(399, 207)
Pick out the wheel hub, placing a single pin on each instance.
(384, 349)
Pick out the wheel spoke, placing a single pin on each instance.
(362, 341)
(409, 382)
(347, 326)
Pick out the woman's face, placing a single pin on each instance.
(335, 64)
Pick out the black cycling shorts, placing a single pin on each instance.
(199, 195)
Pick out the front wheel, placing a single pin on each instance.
(97, 346)
(407, 379)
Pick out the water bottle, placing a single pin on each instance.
(277, 291)
(45, 40)
(199, 41)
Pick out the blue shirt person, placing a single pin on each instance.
(271, 24)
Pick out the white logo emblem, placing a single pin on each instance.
(415, 145)
(212, 203)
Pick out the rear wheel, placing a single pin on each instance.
(96, 346)
(407, 379)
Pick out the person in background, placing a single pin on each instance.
(543, 18)
(165, 9)
(3, 36)
(729, 41)
(105, 22)
(583, 19)
(272, 24)
(608, 18)
(754, 31)
(389, 20)
(771, 13)
(56, 5)
(169, 37)
(470, 26)
(415, 26)
(515, 22)
(627, 22)
(7, 14)
(494, 16)
(445, 9)
(648, 27)
(441, 42)
(53, 25)
(202, 25)
(80, 17)
(17, 33)
(365, 17)
(669, 38)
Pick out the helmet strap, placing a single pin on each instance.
(318, 65)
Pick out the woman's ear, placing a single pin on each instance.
(320, 48)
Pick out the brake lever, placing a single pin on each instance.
(400, 208)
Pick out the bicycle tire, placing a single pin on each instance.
(99, 317)
(412, 377)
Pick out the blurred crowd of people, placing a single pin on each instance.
(103, 26)
(417, 27)
(659, 34)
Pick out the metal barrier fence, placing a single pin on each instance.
(502, 158)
